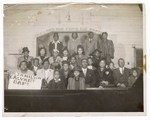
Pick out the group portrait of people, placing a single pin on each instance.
(79, 65)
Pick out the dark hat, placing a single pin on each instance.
(77, 68)
(97, 50)
(25, 49)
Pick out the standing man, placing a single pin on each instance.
(121, 74)
(25, 57)
(106, 47)
(90, 79)
(73, 43)
(90, 44)
(55, 44)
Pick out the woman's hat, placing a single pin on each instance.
(77, 68)
(25, 49)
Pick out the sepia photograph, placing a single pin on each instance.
(74, 58)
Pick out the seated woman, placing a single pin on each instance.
(104, 75)
(76, 82)
(96, 58)
(65, 55)
(135, 73)
(90, 64)
(80, 55)
(56, 83)
(73, 62)
(42, 56)
(55, 61)
(24, 69)
(45, 73)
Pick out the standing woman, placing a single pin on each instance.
(25, 57)
(42, 56)
(76, 82)
(80, 55)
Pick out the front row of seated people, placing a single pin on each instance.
(79, 74)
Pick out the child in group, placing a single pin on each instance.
(76, 82)
(73, 62)
(55, 61)
(65, 54)
(133, 77)
(35, 66)
(111, 66)
(80, 54)
(56, 83)
(90, 63)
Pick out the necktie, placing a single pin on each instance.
(84, 72)
(55, 45)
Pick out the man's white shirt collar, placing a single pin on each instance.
(53, 42)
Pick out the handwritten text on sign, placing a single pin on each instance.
(24, 81)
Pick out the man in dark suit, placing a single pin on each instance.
(65, 73)
(121, 74)
(55, 44)
(88, 74)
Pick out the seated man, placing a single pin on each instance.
(90, 79)
(121, 74)
(45, 73)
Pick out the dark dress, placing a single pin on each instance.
(65, 77)
(105, 75)
(96, 62)
(56, 85)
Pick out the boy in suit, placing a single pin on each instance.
(35, 66)
(88, 74)
(121, 74)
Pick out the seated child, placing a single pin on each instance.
(111, 66)
(76, 82)
(56, 83)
